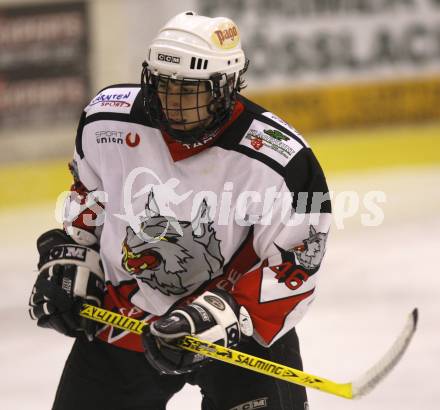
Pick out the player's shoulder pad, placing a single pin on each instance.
(262, 135)
(267, 138)
(120, 101)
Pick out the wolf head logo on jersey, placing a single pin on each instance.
(308, 255)
(312, 250)
(183, 253)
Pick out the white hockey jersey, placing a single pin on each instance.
(245, 210)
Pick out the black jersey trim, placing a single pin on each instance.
(136, 115)
(122, 85)
(304, 174)
(250, 153)
(230, 141)
(114, 116)
(231, 138)
(78, 138)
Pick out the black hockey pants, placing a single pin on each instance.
(98, 376)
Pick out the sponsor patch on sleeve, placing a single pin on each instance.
(283, 123)
(270, 141)
(119, 100)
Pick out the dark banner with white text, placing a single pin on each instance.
(44, 64)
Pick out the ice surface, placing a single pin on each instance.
(371, 278)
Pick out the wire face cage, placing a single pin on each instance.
(188, 109)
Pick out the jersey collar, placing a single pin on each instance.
(181, 151)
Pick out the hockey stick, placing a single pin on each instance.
(352, 390)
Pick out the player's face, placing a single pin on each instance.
(185, 103)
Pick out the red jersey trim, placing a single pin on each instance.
(267, 317)
(117, 299)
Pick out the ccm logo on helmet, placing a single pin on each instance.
(169, 59)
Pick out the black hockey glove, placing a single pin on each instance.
(214, 316)
(69, 275)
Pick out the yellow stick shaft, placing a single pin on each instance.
(225, 354)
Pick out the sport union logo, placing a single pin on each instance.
(132, 141)
(116, 137)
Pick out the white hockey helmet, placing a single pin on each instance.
(195, 48)
(192, 46)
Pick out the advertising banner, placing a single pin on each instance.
(317, 41)
(44, 65)
(340, 63)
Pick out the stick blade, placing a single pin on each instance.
(368, 381)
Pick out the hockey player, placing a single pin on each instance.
(194, 209)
